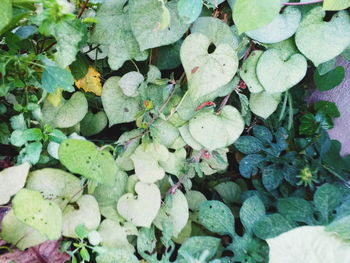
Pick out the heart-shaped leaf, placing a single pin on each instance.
(87, 214)
(140, 211)
(55, 184)
(174, 211)
(118, 107)
(93, 123)
(248, 72)
(278, 73)
(146, 160)
(321, 41)
(12, 180)
(281, 28)
(206, 72)
(84, 158)
(215, 131)
(263, 104)
(189, 10)
(146, 19)
(130, 82)
(43, 215)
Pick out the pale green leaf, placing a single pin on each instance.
(55, 77)
(281, 28)
(43, 215)
(6, 13)
(336, 4)
(195, 246)
(87, 213)
(206, 72)
(130, 82)
(252, 14)
(320, 41)
(146, 19)
(248, 72)
(215, 131)
(84, 158)
(118, 107)
(277, 73)
(263, 104)
(251, 211)
(12, 180)
(230, 192)
(308, 244)
(189, 10)
(140, 211)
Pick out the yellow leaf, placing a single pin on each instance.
(55, 98)
(91, 82)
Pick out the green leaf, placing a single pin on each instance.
(130, 82)
(6, 13)
(79, 67)
(272, 176)
(194, 247)
(264, 104)
(31, 153)
(81, 231)
(248, 144)
(43, 215)
(206, 72)
(215, 131)
(270, 226)
(248, 165)
(140, 211)
(84, 253)
(336, 5)
(251, 211)
(296, 209)
(84, 158)
(118, 41)
(300, 243)
(116, 256)
(118, 107)
(341, 227)
(328, 108)
(278, 73)
(262, 133)
(230, 192)
(87, 213)
(55, 184)
(248, 72)
(189, 10)
(281, 28)
(329, 80)
(15, 232)
(4, 133)
(174, 211)
(12, 180)
(326, 199)
(216, 217)
(55, 77)
(216, 30)
(146, 20)
(260, 13)
(146, 159)
(93, 124)
(70, 36)
(321, 41)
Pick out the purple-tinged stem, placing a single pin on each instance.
(306, 3)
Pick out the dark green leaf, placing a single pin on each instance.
(55, 77)
(248, 145)
(251, 211)
(79, 67)
(248, 165)
(272, 225)
(262, 133)
(296, 209)
(329, 80)
(272, 176)
(328, 108)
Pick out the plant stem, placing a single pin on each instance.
(83, 8)
(306, 3)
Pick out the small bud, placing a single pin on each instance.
(148, 104)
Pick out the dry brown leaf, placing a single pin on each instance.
(91, 82)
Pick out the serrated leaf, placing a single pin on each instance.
(260, 13)
(43, 215)
(300, 244)
(118, 107)
(206, 72)
(321, 41)
(216, 131)
(140, 211)
(216, 217)
(281, 28)
(84, 158)
(87, 214)
(146, 20)
(12, 180)
(278, 73)
(91, 82)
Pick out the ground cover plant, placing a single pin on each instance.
(172, 131)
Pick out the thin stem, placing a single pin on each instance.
(137, 68)
(83, 8)
(306, 3)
